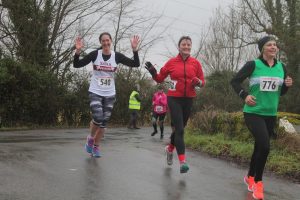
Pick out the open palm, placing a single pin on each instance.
(135, 42)
(78, 43)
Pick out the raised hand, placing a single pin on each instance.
(150, 68)
(78, 44)
(135, 40)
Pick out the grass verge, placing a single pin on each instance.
(280, 161)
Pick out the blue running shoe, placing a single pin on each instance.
(89, 144)
(96, 152)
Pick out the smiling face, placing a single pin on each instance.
(185, 46)
(105, 41)
(270, 49)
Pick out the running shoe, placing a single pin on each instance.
(249, 181)
(169, 156)
(184, 168)
(96, 152)
(258, 190)
(161, 136)
(89, 144)
(152, 134)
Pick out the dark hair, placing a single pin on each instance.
(184, 38)
(104, 33)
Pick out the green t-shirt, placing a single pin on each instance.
(265, 84)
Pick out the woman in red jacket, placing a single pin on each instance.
(185, 73)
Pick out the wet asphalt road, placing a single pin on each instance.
(52, 165)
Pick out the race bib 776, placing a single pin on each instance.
(269, 84)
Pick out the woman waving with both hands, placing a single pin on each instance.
(102, 89)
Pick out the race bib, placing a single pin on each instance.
(158, 108)
(105, 82)
(269, 84)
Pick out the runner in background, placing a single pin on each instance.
(159, 103)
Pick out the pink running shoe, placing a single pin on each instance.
(258, 190)
(96, 152)
(249, 181)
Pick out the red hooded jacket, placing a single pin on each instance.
(181, 73)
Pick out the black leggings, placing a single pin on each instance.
(161, 118)
(262, 128)
(180, 110)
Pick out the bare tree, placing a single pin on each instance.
(223, 46)
(280, 18)
(36, 30)
(127, 20)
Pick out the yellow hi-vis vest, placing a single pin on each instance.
(133, 103)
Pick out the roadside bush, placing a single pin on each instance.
(205, 120)
(232, 125)
(31, 96)
(210, 121)
(28, 94)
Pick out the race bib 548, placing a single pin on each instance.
(105, 82)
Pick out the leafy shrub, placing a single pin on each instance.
(28, 94)
(210, 121)
(205, 120)
(233, 125)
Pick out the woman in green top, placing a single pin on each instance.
(268, 80)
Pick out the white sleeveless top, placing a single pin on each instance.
(103, 79)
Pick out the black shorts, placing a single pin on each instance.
(161, 117)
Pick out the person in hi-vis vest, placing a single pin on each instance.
(134, 107)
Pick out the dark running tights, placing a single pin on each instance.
(133, 118)
(262, 128)
(180, 110)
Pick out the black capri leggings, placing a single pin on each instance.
(262, 128)
(180, 110)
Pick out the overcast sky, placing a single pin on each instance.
(184, 17)
(187, 17)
